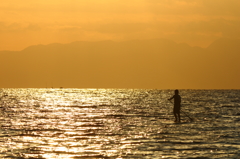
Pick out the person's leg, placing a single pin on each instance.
(179, 117)
(175, 114)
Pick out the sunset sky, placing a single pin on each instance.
(183, 24)
(195, 22)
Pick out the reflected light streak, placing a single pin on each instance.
(116, 123)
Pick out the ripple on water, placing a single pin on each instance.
(102, 123)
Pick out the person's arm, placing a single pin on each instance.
(171, 98)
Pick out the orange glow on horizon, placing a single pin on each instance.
(184, 23)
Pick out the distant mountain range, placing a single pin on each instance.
(157, 63)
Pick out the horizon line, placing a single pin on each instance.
(117, 41)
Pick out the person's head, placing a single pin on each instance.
(176, 92)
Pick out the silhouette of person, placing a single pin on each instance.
(177, 105)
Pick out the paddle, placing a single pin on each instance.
(191, 119)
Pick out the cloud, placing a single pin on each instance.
(196, 7)
(122, 27)
(227, 28)
(181, 20)
(18, 27)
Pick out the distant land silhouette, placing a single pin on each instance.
(157, 63)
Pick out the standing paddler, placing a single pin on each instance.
(177, 105)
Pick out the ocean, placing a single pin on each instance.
(118, 123)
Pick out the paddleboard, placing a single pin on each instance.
(172, 122)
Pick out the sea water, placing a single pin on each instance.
(118, 123)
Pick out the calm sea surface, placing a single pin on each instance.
(118, 123)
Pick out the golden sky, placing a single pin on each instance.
(196, 22)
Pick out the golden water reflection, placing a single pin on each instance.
(85, 123)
